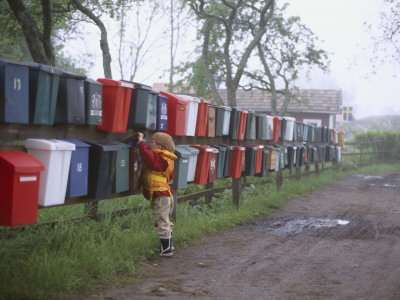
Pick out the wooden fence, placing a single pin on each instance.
(13, 136)
(370, 152)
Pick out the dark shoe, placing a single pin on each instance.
(165, 248)
(158, 250)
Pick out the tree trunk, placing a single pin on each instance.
(288, 97)
(39, 44)
(210, 78)
(103, 41)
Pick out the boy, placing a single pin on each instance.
(158, 172)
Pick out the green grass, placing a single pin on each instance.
(43, 262)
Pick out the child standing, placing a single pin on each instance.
(158, 172)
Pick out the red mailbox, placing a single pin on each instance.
(237, 161)
(19, 187)
(202, 118)
(258, 158)
(277, 128)
(176, 114)
(242, 124)
(212, 174)
(116, 103)
(203, 164)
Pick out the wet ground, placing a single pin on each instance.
(340, 243)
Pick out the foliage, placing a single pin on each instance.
(227, 36)
(376, 145)
(226, 42)
(386, 36)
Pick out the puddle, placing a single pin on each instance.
(368, 177)
(383, 185)
(299, 225)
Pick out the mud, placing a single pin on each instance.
(342, 242)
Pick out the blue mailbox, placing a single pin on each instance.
(79, 169)
(14, 92)
(162, 112)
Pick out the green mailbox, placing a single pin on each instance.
(264, 163)
(121, 178)
(181, 167)
(43, 90)
(220, 160)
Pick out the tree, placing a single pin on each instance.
(44, 22)
(88, 11)
(37, 37)
(288, 47)
(221, 22)
(386, 36)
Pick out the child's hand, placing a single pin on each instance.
(140, 136)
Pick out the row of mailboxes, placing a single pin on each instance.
(40, 94)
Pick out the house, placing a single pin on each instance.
(318, 107)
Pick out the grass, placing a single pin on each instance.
(43, 262)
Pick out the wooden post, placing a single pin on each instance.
(336, 166)
(298, 173)
(208, 198)
(237, 192)
(317, 168)
(279, 178)
(174, 212)
(307, 170)
(91, 209)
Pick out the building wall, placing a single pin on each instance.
(301, 116)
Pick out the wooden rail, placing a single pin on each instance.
(12, 136)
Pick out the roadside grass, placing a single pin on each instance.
(49, 262)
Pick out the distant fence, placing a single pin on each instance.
(370, 152)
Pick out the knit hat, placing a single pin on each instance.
(164, 140)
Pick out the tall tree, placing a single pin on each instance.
(222, 18)
(386, 35)
(88, 11)
(37, 35)
(288, 48)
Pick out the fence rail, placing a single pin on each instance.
(12, 136)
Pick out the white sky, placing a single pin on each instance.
(339, 24)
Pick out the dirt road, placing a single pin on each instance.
(340, 243)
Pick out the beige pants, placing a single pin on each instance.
(162, 212)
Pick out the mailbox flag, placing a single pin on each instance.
(348, 113)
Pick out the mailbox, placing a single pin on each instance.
(212, 174)
(202, 118)
(234, 123)
(143, 107)
(162, 112)
(93, 101)
(237, 161)
(70, 108)
(176, 114)
(14, 92)
(79, 169)
(251, 125)
(211, 121)
(44, 82)
(181, 168)
(56, 157)
(203, 164)
(116, 105)
(191, 114)
(242, 125)
(19, 187)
